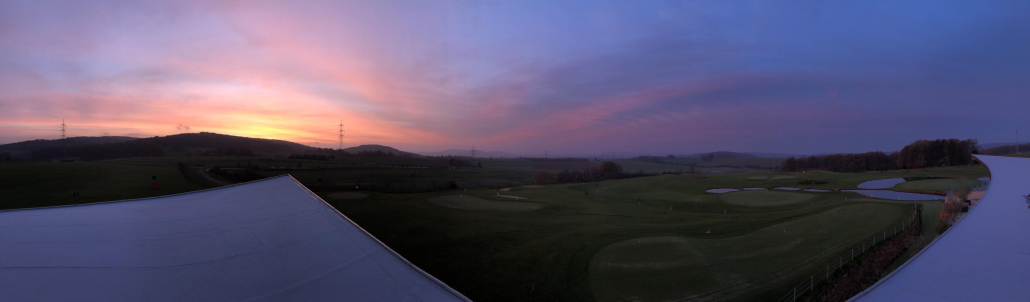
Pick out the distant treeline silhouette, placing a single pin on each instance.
(134, 148)
(1006, 150)
(606, 171)
(920, 154)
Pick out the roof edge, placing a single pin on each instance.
(395, 254)
(920, 253)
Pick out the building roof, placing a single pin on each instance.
(267, 240)
(983, 257)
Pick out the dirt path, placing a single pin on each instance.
(511, 196)
(212, 179)
(478, 204)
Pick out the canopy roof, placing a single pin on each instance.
(983, 257)
(267, 240)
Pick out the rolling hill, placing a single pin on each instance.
(381, 148)
(468, 152)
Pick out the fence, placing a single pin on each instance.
(809, 283)
(983, 185)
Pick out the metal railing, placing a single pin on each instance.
(847, 257)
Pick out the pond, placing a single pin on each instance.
(884, 194)
(881, 183)
(720, 191)
(896, 195)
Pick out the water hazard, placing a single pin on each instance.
(881, 183)
(883, 194)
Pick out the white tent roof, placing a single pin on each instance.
(268, 240)
(984, 257)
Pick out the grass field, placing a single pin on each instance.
(744, 267)
(572, 247)
(766, 198)
(771, 177)
(473, 203)
(938, 184)
(39, 184)
(547, 254)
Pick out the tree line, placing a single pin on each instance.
(920, 154)
(607, 170)
(1006, 150)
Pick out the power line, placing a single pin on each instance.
(473, 151)
(65, 130)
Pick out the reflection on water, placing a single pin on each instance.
(881, 183)
(884, 194)
(720, 191)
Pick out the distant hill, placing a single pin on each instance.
(208, 140)
(374, 148)
(992, 145)
(468, 152)
(723, 154)
(67, 142)
(772, 155)
(203, 143)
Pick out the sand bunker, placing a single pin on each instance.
(478, 204)
(347, 195)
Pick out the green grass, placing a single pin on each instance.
(938, 184)
(750, 266)
(771, 177)
(546, 254)
(766, 198)
(39, 185)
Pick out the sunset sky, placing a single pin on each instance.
(522, 77)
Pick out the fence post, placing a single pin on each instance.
(827, 272)
(840, 262)
(852, 254)
(811, 280)
(795, 294)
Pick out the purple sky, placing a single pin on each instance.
(572, 78)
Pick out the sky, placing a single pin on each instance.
(568, 77)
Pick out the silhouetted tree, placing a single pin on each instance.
(543, 178)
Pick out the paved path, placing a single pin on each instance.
(511, 196)
(219, 182)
